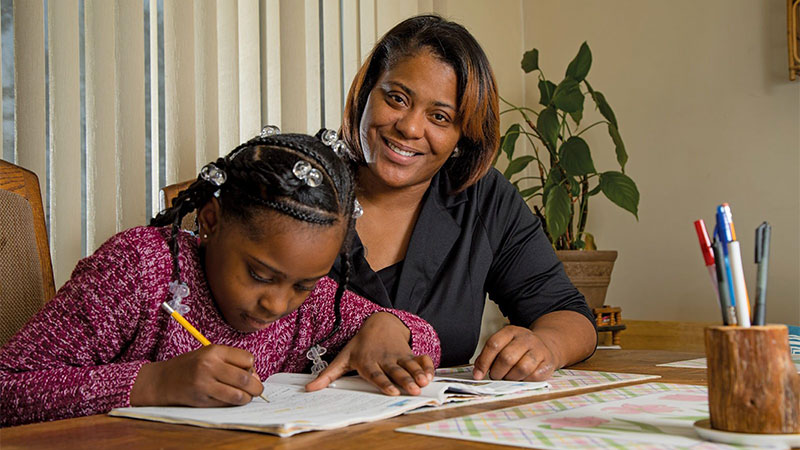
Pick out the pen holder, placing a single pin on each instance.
(753, 385)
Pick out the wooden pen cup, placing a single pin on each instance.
(753, 385)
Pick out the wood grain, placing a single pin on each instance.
(754, 385)
(664, 335)
(25, 183)
(101, 431)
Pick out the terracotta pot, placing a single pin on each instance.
(590, 272)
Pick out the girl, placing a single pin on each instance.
(272, 216)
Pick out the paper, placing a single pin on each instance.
(292, 410)
(700, 363)
(647, 416)
(563, 380)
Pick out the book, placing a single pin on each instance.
(348, 401)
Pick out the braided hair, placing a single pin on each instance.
(258, 176)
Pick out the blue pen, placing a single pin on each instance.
(725, 236)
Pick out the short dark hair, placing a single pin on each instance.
(477, 95)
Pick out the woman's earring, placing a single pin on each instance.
(456, 153)
(205, 236)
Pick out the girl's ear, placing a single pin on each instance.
(208, 219)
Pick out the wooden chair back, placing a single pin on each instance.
(26, 272)
(167, 195)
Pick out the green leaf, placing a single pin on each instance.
(510, 140)
(577, 116)
(604, 107)
(568, 96)
(546, 90)
(594, 191)
(575, 157)
(622, 155)
(530, 61)
(517, 165)
(553, 178)
(530, 191)
(574, 187)
(621, 190)
(557, 211)
(579, 67)
(547, 123)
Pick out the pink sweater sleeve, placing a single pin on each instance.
(63, 362)
(355, 310)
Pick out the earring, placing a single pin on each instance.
(456, 153)
(205, 236)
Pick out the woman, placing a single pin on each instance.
(440, 228)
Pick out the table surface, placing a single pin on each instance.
(111, 432)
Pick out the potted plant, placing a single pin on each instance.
(567, 177)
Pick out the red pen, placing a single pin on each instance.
(708, 254)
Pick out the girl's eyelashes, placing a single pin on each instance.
(259, 278)
(303, 288)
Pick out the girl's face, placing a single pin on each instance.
(409, 126)
(257, 277)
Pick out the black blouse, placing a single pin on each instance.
(482, 240)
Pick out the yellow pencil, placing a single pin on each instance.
(193, 331)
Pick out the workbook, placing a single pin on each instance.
(348, 401)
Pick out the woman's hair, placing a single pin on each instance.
(270, 174)
(477, 96)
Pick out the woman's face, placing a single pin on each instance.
(257, 280)
(409, 126)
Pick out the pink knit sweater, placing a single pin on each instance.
(81, 354)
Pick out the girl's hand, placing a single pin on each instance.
(516, 353)
(214, 375)
(381, 355)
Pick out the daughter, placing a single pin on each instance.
(272, 216)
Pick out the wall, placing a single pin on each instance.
(708, 115)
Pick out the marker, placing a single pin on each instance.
(708, 254)
(762, 259)
(193, 331)
(728, 312)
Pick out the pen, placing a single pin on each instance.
(708, 255)
(736, 270)
(724, 234)
(762, 259)
(740, 289)
(728, 313)
(193, 331)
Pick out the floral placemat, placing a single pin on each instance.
(645, 416)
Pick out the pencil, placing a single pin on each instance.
(193, 331)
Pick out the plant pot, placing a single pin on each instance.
(590, 272)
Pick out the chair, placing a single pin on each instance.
(167, 195)
(26, 273)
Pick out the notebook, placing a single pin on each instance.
(351, 400)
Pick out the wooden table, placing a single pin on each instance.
(101, 431)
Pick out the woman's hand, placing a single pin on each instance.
(554, 340)
(516, 353)
(381, 354)
(214, 375)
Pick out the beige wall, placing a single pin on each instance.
(708, 115)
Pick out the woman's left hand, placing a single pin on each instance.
(554, 340)
(381, 354)
(516, 353)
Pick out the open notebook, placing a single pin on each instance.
(292, 410)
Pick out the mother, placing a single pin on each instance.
(440, 227)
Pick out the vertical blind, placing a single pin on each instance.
(115, 99)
